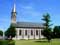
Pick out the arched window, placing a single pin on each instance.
(36, 32)
(25, 32)
(31, 32)
(20, 32)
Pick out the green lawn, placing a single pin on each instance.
(7, 42)
(37, 42)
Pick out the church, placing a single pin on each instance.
(26, 30)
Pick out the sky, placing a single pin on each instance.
(29, 11)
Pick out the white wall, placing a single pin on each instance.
(23, 36)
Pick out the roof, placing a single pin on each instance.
(28, 24)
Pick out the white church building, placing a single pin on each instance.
(26, 30)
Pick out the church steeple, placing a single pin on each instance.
(14, 8)
(13, 14)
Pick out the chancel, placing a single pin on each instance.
(26, 30)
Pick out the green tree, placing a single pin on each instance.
(47, 30)
(11, 32)
(1, 33)
(56, 31)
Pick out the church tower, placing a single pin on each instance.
(13, 14)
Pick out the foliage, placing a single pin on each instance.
(10, 32)
(47, 20)
(1, 33)
(47, 34)
(47, 30)
(56, 31)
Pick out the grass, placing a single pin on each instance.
(30, 42)
(37, 42)
(7, 42)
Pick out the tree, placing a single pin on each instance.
(1, 33)
(56, 31)
(11, 32)
(47, 30)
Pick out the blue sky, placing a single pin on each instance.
(29, 11)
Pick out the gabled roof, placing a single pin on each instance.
(28, 24)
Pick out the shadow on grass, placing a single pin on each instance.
(7, 42)
(11, 42)
(41, 41)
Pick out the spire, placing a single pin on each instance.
(13, 13)
(14, 7)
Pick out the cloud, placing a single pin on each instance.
(28, 13)
(29, 10)
(27, 7)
